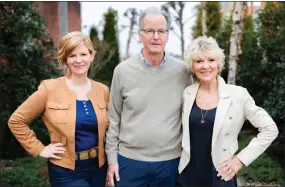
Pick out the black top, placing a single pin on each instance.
(199, 171)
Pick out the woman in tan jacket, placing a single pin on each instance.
(74, 110)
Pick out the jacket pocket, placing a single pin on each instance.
(103, 112)
(56, 138)
(56, 112)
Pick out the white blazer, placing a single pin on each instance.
(235, 105)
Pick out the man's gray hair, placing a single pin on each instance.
(153, 10)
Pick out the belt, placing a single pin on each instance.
(87, 154)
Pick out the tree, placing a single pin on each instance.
(175, 10)
(27, 57)
(271, 40)
(249, 69)
(235, 40)
(104, 52)
(213, 19)
(262, 66)
(110, 36)
(223, 39)
(131, 14)
(204, 18)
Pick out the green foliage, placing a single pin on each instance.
(249, 69)
(263, 169)
(272, 39)
(110, 36)
(26, 172)
(223, 39)
(197, 28)
(27, 57)
(262, 64)
(213, 20)
(104, 52)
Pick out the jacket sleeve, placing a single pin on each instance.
(114, 112)
(20, 120)
(107, 98)
(106, 95)
(267, 128)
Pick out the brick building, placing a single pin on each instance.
(60, 17)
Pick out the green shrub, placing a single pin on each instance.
(26, 172)
(263, 169)
(27, 57)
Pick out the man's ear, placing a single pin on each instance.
(140, 36)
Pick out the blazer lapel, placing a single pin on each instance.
(187, 106)
(222, 108)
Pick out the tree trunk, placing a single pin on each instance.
(204, 18)
(180, 17)
(129, 38)
(235, 40)
(176, 14)
(132, 17)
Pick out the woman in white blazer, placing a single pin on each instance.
(213, 115)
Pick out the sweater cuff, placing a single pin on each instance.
(112, 158)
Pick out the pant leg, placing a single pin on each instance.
(164, 173)
(64, 177)
(98, 178)
(132, 172)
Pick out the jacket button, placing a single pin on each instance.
(227, 134)
(230, 117)
(224, 149)
(59, 105)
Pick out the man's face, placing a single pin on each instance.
(154, 34)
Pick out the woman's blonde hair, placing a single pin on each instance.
(202, 47)
(69, 42)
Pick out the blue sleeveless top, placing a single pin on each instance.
(86, 129)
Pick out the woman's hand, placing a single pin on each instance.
(229, 168)
(52, 149)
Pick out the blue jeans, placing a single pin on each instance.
(86, 174)
(141, 173)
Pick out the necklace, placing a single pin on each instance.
(203, 116)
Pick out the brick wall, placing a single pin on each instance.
(74, 16)
(50, 13)
(49, 10)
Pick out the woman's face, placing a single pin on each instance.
(79, 60)
(206, 68)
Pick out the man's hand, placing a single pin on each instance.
(113, 169)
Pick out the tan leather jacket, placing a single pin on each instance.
(56, 103)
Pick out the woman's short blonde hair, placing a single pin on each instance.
(69, 42)
(204, 46)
